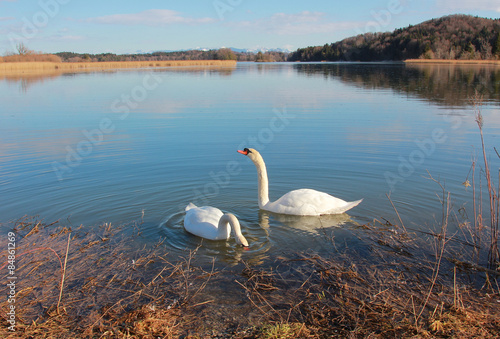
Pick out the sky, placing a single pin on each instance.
(111, 26)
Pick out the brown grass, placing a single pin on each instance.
(10, 68)
(342, 299)
(108, 289)
(452, 62)
(103, 286)
(31, 57)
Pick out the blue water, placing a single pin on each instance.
(140, 145)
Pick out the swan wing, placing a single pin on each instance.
(309, 202)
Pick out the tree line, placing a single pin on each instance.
(214, 54)
(450, 37)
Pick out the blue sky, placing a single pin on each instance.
(128, 27)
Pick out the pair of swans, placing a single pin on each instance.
(210, 223)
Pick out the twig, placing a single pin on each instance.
(38, 249)
(439, 256)
(397, 213)
(63, 274)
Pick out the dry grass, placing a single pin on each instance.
(10, 68)
(31, 57)
(104, 288)
(352, 297)
(452, 62)
(109, 289)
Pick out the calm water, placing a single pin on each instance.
(141, 144)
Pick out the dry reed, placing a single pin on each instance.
(102, 283)
(111, 289)
(352, 297)
(32, 57)
(9, 68)
(452, 62)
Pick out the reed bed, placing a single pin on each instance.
(397, 293)
(452, 62)
(72, 283)
(41, 67)
(96, 284)
(31, 57)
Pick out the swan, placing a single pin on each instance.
(210, 223)
(298, 202)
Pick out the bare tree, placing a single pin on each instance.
(22, 49)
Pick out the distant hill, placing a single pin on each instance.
(450, 37)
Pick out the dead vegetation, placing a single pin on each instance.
(107, 288)
(31, 57)
(104, 286)
(39, 67)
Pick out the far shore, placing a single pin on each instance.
(15, 68)
(449, 61)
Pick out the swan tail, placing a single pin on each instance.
(351, 204)
(190, 206)
(346, 207)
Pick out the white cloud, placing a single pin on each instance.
(152, 17)
(302, 23)
(456, 6)
(60, 37)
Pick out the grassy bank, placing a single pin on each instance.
(452, 62)
(12, 68)
(94, 284)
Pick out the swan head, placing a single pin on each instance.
(252, 153)
(241, 240)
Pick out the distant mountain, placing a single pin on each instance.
(244, 50)
(260, 49)
(449, 37)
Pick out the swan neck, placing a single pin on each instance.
(263, 189)
(229, 220)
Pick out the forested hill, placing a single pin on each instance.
(450, 37)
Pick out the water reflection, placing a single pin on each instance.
(177, 238)
(429, 82)
(352, 124)
(29, 79)
(268, 236)
(424, 81)
(310, 224)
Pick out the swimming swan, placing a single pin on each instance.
(210, 223)
(298, 202)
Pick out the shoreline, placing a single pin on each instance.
(17, 68)
(118, 288)
(452, 62)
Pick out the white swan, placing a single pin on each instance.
(210, 223)
(298, 202)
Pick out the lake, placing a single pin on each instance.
(139, 145)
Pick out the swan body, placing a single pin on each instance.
(210, 223)
(298, 202)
